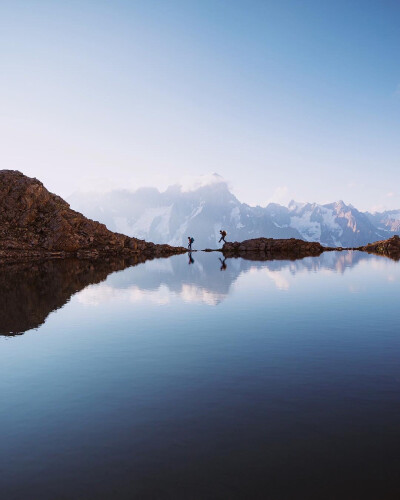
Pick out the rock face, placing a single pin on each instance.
(268, 248)
(389, 248)
(35, 223)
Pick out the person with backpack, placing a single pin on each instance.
(223, 234)
(190, 242)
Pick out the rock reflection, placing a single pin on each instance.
(29, 292)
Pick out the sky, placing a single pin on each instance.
(285, 99)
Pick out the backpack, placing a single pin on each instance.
(223, 233)
(191, 240)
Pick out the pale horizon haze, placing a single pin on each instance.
(285, 100)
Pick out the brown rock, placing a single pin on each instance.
(389, 248)
(35, 223)
(269, 248)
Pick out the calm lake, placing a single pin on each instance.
(199, 378)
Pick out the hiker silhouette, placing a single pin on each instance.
(223, 234)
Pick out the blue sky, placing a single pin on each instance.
(284, 99)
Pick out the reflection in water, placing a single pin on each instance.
(30, 291)
(169, 379)
(204, 284)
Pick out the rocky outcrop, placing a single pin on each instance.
(389, 248)
(35, 223)
(269, 248)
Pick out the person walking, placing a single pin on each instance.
(190, 242)
(223, 235)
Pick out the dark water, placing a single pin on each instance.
(277, 380)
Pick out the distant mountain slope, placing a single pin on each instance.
(386, 221)
(333, 224)
(171, 216)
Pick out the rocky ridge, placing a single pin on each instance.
(389, 248)
(269, 248)
(35, 223)
(291, 249)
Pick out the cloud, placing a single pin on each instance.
(280, 195)
(97, 184)
(377, 208)
(382, 207)
(96, 295)
(191, 183)
(193, 293)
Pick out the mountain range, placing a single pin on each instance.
(172, 215)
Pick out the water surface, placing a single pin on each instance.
(204, 379)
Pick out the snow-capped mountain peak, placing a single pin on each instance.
(203, 207)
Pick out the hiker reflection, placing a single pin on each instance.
(223, 264)
(191, 259)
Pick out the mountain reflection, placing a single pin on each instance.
(202, 281)
(30, 292)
